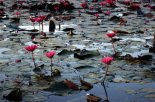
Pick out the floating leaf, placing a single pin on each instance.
(71, 85)
(85, 85)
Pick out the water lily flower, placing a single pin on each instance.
(56, 8)
(110, 2)
(84, 5)
(33, 19)
(31, 48)
(42, 20)
(65, 4)
(42, 17)
(91, 7)
(96, 15)
(107, 61)
(103, 3)
(50, 55)
(111, 35)
(38, 19)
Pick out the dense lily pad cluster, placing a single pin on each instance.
(66, 59)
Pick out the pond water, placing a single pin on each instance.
(130, 76)
(117, 92)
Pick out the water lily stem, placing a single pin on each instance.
(105, 73)
(107, 99)
(154, 43)
(113, 46)
(42, 26)
(39, 26)
(33, 60)
(51, 68)
(33, 25)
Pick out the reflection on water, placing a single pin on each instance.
(114, 92)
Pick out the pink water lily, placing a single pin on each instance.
(66, 4)
(103, 3)
(110, 2)
(91, 7)
(96, 15)
(38, 19)
(50, 55)
(42, 21)
(107, 61)
(33, 19)
(111, 35)
(56, 8)
(42, 17)
(31, 48)
(84, 5)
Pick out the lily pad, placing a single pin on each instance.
(83, 54)
(59, 88)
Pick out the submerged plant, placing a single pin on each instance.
(107, 61)
(31, 49)
(50, 55)
(111, 35)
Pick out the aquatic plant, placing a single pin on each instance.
(97, 15)
(31, 49)
(107, 61)
(56, 8)
(91, 8)
(17, 13)
(32, 19)
(50, 56)
(103, 3)
(84, 5)
(107, 12)
(42, 17)
(111, 35)
(71, 85)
